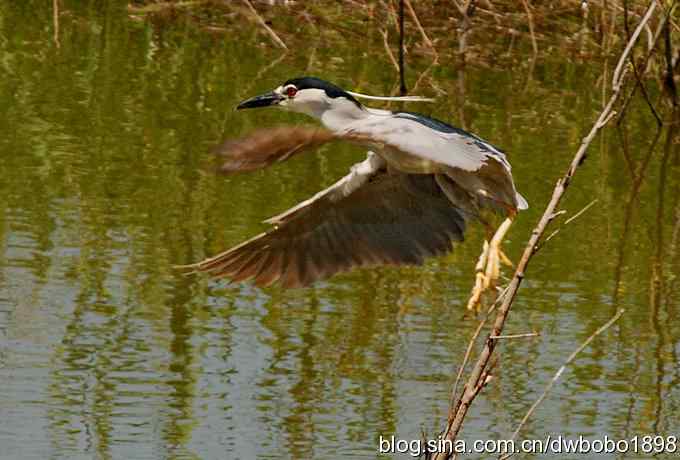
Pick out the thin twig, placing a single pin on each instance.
(422, 76)
(561, 370)
(643, 68)
(585, 208)
(530, 17)
(426, 39)
(514, 336)
(389, 51)
(557, 230)
(465, 10)
(624, 56)
(463, 6)
(156, 7)
(55, 21)
(264, 25)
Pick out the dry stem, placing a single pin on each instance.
(530, 18)
(388, 50)
(55, 21)
(426, 39)
(515, 336)
(264, 25)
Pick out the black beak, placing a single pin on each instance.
(263, 100)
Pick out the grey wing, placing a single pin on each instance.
(392, 219)
(478, 166)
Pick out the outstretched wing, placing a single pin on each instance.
(392, 219)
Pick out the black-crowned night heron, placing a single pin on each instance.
(410, 199)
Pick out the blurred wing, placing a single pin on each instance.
(392, 219)
(263, 147)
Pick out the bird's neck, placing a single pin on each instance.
(337, 114)
(340, 114)
(337, 120)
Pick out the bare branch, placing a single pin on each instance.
(264, 25)
(643, 68)
(426, 39)
(618, 71)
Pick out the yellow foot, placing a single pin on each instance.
(488, 268)
(504, 258)
(480, 279)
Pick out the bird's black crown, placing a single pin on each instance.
(330, 89)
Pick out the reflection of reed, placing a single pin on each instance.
(673, 253)
(638, 174)
(660, 310)
(182, 376)
(83, 377)
(630, 426)
(318, 356)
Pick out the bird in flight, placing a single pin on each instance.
(411, 198)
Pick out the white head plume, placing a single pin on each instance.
(392, 98)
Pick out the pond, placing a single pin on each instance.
(107, 351)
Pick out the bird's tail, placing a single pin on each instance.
(522, 203)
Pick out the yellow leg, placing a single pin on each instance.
(488, 267)
(504, 258)
(480, 278)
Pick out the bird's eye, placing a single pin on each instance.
(291, 91)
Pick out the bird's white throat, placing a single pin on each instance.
(334, 113)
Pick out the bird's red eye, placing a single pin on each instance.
(291, 91)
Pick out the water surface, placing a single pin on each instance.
(107, 352)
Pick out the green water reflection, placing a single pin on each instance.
(105, 351)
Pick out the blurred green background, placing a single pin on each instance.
(107, 352)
